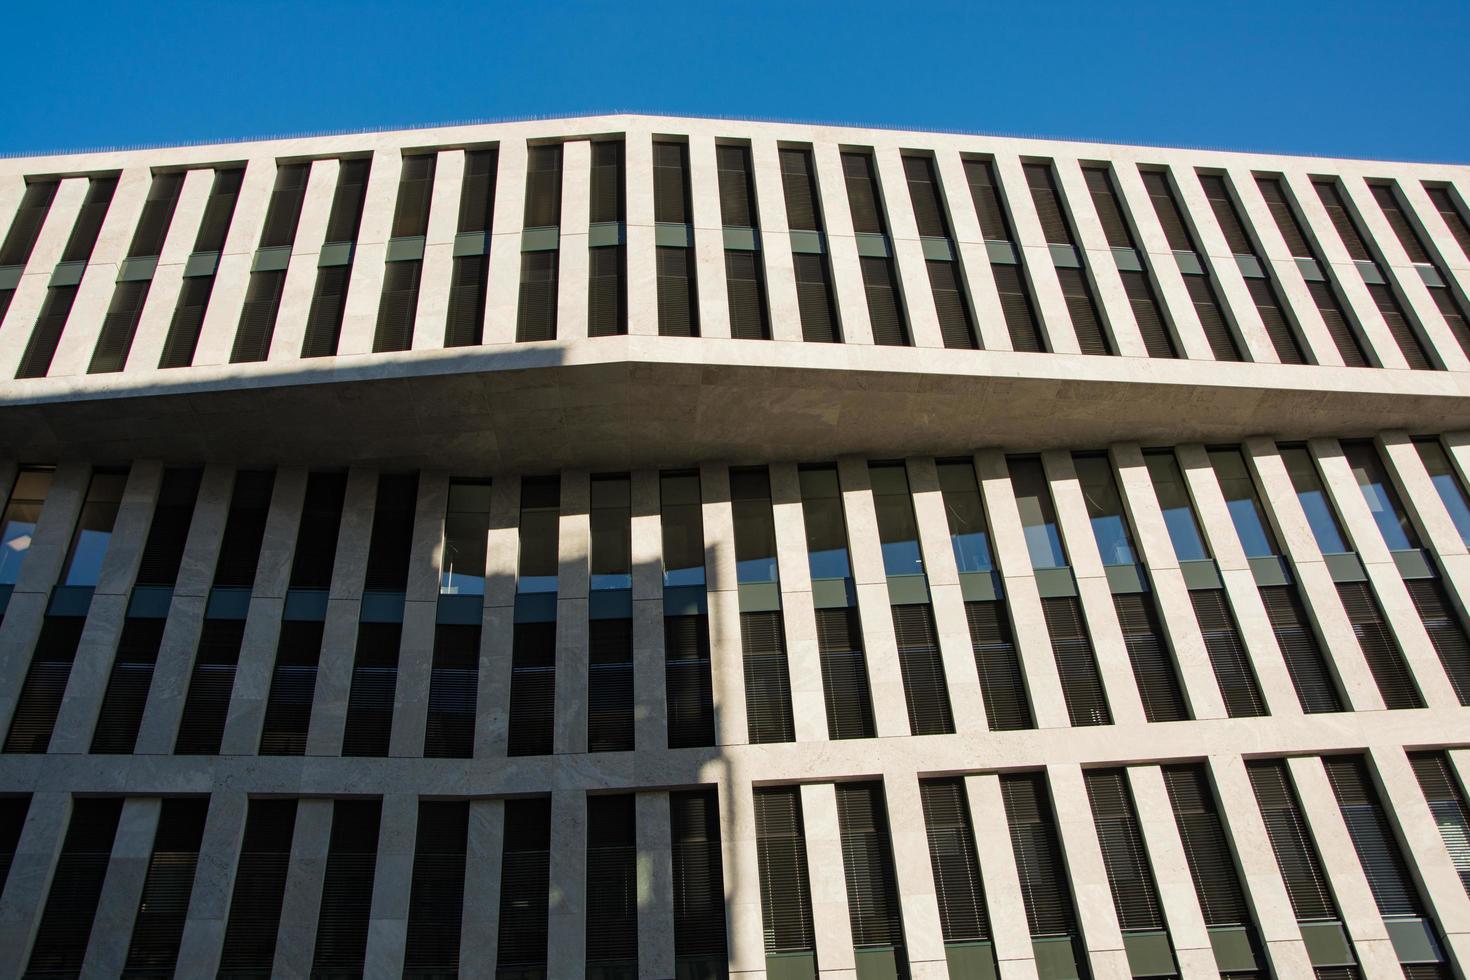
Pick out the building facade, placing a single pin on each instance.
(635, 548)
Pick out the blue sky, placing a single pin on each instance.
(1331, 78)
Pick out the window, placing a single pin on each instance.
(536, 313)
(239, 550)
(211, 682)
(158, 927)
(607, 291)
(263, 295)
(780, 840)
(260, 887)
(127, 687)
(612, 885)
(329, 299)
(532, 689)
(919, 660)
(611, 529)
(1380, 648)
(867, 858)
(94, 528)
(1038, 518)
(744, 276)
(525, 887)
(18, 522)
(453, 692)
(1443, 199)
(956, 326)
(169, 531)
(682, 524)
(1206, 846)
(1196, 275)
(1378, 494)
(121, 323)
(1447, 803)
(844, 674)
(13, 811)
(1043, 875)
(880, 278)
(1229, 660)
(316, 538)
(436, 895)
(1071, 645)
(610, 685)
(1446, 484)
(767, 678)
(465, 319)
(193, 302)
(40, 695)
(1076, 287)
(1105, 510)
(1245, 507)
(1313, 498)
(1305, 662)
(1445, 631)
(968, 534)
(539, 533)
(1149, 654)
(826, 527)
(1137, 284)
(815, 301)
(699, 886)
(1373, 837)
(1291, 841)
(689, 689)
(953, 858)
(1433, 274)
(391, 540)
(755, 527)
(1010, 276)
(347, 888)
(293, 687)
(369, 723)
(76, 887)
(25, 227)
(678, 305)
(898, 532)
(1135, 896)
(1002, 683)
(466, 531)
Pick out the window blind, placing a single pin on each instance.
(284, 210)
(257, 317)
(689, 690)
(699, 887)
(25, 226)
(612, 882)
(347, 888)
(1206, 846)
(1125, 858)
(316, 537)
(465, 318)
(158, 212)
(158, 927)
(610, 685)
(249, 946)
(952, 856)
(767, 678)
(1228, 658)
(885, 307)
(398, 306)
(436, 895)
(1018, 309)
(1002, 682)
(347, 200)
(745, 287)
(453, 692)
(919, 660)
(956, 326)
(607, 180)
(1385, 660)
(985, 192)
(925, 196)
(1148, 314)
(1445, 631)
(1109, 208)
(532, 689)
(671, 182)
(678, 302)
(329, 305)
(1082, 307)
(737, 191)
(844, 674)
(127, 687)
(1373, 839)
(415, 192)
(40, 695)
(370, 699)
(1048, 201)
(1305, 662)
(211, 681)
(867, 858)
(477, 190)
(814, 299)
(1440, 197)
(607, 294)
(239, 550)
(1291, 842)
(41, 348)
(799, 183)
(1043, 877)
(1148, 652)
(293, 687)
(168, 532)
(1076, 664)
(76, 888)
(525, 885)
(786, 903)
(219, 210)
(1447, 802)
(543, 186)
(536, 312)
(119, 326)
(862, 194)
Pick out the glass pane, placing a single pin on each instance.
(1450, 490)
(826, 529)
(466, 526)
(968, 532)
(611, 523)
(1105, 509)
(1245, 507)
(1038, 519)
(897, 531)
(755, 527)
(1313, 498)
(94, 529)
(18, 525)
(683, 527)
(1381, 499)
(1174, 501)
(540, 518)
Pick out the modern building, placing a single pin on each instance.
(635, 548)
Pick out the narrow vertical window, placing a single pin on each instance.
(249, 946)
(168, 532)
(453, 692)
(1197, 280)
(872, 885)
(610, 685)
(316, 538)
(1120, 837)
(1291, 841)
(1446, 484)
(946, 278)
(347, 888)
(436, 895)
(875, 253)
(1072, 273)
(263, 294)
(464, 323)
(744, 273)
(1005, 257)
(767, 678)
(158, 927)
(127, 687)
(1138, 284)
(120, 324)
(699, 884)
(18, 522)
(1443, 199)
(612, 886)
(239, 550)
(13, 811)
(398, 306)
(814, 296)
(39, 700)
(689, 688)
(466, 530)
(199, 272)
(607, 284)
(293, 687)
(94, 529)
(56, 309)
(536, 312)
(76, 888)
(369, 723)
(20, 240)
(786, 901)
(1436, 277)
(525, 888)
(212, 680)
(682, 524)
(1050, 914)
(963, 918)
(532, 688)
(1447, 802)
(391, 540)
(334, 272)
(678, 303)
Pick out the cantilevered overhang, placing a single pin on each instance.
(626, 402)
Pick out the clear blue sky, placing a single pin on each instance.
(1347, 78)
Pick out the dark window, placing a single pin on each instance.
(398, 306)
(453, 692)
(477, 190)
(688, 687)
(1316, 505)
(316, 540)
(1002, 684)
(119, 326)
(1105, 509)
(767, 677)
(610, 685)
(284, 210)
(682, 523)
(369, 723)
(532, 688)
(1378, 493)
(826, 527)
(786, 901)
(127, 687)
(13, 810)
(347, 201)
(1380, 648)
(207, 704)
(746, 289)
(536, 314)
(239, 550)
(956, 326)
(1038, 515)
(922, 666)
(40, 695)
(47, 335)
(539, 534)
(607, 181)
(867, 859)
(1130, 879)
(260, 886)
(392, 535)
(159, 925)
(1446, 802)
(1076, 663)
(1201, 290)
(1299, 647)
(1228, 658)
(93, 532)
(1171, 216)
(1444, 202)
(1109, 209)
(607, 290)
(1246, 512)
(885, 305)
(1445, 631)
(1043, 876)
(678, 302)
(1082, 307)
(1049, 209)
(799, 181)
(1291, 841)
(989, 205)
(814, 299)
(347, 888)
(1206, 846)
(543, 186)
(25, 227)
(415, 191)
(671, 182)
(1373, 838)
(861, 178)
(737, 190)
(169, 530)
(464, 325)
(76, 888)
(219, 210)
(466, 525)
(293, 687)
(755, 527)
(1019, 311)
(158, 212)
(257, 317)
(525, 887)
(328, 306)
(953, 858)
(89, 220)
(699, 885)
(1148, 652)
(844, 674)
(612, 884)
(436, 897)
(898, 532)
